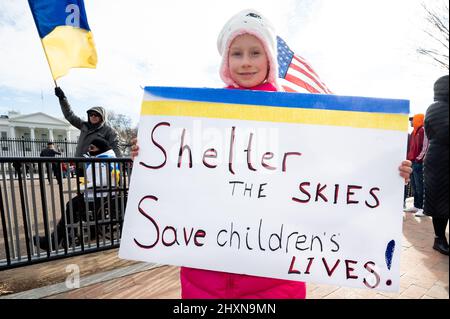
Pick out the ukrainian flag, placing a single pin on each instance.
(65, 34)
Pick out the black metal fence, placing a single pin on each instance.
(13, 147)
(25, 147)
(45, 212)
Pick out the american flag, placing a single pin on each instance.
(295, 73)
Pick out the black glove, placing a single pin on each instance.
(59, 93)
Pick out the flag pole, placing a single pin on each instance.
(48, 62)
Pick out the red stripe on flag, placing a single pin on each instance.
(288, 89)
(303, 61)
(301, 83)
(299, 69)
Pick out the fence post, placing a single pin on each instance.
(22, 173)
(4, 229)
(65, 146)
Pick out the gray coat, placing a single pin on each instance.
(90, 131)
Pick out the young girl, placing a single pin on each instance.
(247, 44)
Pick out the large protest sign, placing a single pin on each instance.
(284, 185)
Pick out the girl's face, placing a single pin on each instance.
(247, 61)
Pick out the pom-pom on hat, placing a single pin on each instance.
(252, 22)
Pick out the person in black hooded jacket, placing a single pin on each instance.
(436, 173)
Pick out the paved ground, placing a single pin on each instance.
(424, 275)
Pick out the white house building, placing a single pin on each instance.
(36, 126)
(25, 135)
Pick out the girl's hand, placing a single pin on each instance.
(134, 148)
(405, 170)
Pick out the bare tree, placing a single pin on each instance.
(437, 31)
(123, 125)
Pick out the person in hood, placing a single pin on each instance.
(436, 164)
(248, 46)
(106, 177)
(95, 127)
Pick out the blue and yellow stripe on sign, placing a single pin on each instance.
(314, 109)
(65, 34)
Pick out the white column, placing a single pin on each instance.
(50, 134)
(68, 135)
(32, 137)
(12, 131)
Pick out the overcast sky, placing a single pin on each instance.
(358, 47)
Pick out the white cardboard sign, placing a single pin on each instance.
(293, 186)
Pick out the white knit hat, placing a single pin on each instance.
(252, 22)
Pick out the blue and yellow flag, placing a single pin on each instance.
(65, 34)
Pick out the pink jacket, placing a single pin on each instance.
(205, 284)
